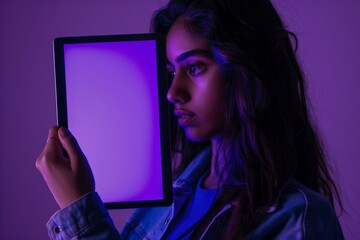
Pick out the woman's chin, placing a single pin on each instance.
(196, 136)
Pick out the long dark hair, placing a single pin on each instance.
(268, 135)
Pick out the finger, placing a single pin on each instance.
(51, 150)
(53, 143)
(70, 144)
(52, 133)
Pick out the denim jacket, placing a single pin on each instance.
(297, 213)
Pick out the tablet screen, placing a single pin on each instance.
(111, 94)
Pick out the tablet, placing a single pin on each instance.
(111, 94)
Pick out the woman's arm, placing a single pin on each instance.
(87, 218)
(70, 179)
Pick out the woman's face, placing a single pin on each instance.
(197, 87)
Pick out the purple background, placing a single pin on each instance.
(329, 35)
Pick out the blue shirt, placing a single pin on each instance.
(197, 207)
(296, 213)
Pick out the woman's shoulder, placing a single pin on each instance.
(300, 213)
(296, 194)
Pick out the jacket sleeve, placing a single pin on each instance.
(87, 219)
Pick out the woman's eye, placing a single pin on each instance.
(195, 69)
(171, 76)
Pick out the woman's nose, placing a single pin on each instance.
(178, 91)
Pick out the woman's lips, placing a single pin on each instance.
(185, 117)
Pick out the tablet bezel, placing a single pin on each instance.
(62, 115)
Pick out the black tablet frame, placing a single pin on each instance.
(62, 114)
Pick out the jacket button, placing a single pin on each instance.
(57, 229)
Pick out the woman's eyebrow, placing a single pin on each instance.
(194, 52)
(191, 53)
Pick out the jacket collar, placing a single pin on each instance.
(186, 182)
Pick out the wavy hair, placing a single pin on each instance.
(268, 134)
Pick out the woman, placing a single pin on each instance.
(246, 159)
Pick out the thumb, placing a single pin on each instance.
(69, 144)
(53, 144)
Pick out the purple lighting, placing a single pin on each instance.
(113, 112)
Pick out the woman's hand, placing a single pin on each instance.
(67, 178)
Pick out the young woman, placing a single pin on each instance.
(247, 162)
